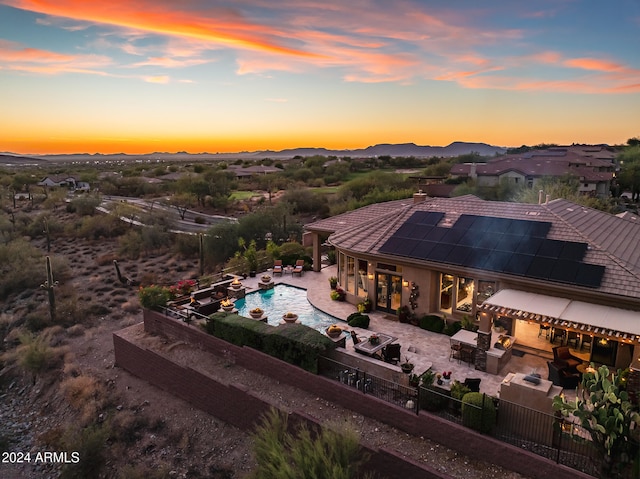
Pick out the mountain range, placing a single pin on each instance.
(456, 148)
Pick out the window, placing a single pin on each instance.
(486, 289)
(446, 292)
(351, 275)
(362, 283)
(464, 294)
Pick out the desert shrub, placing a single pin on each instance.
(37, 320)
(297, 344)
(452, 328)
(106, 259)
(236, 329)
(141, 471)
(22, 267)
(130, 244)
(432, 322)
(154, 238)
(83, 205)
(127, 427)
(153, 297)
(358, 320)
(90, 444)
(478, 412)
(187, 245)
(100, 226)
(281, 451)
(34, 354)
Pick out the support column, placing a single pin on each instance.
(317, 258)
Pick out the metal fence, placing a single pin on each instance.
(547, 435)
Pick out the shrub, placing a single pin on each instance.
(431, 322)
(452, 328)
(478, 412)
(153, 297)
(358, 320)
(35, 354)
(90, 444)
(282, 451)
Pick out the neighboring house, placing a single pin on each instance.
(594, 167)
(556, 264)
(69, 182)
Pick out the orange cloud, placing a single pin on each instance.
(594, 64)
(14, 56)
(221, 27)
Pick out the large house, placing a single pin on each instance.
(524, 267)
(63, 181)
(593, 166)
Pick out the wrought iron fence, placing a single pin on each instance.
(547, 435)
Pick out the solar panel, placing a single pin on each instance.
(573, 251)
(508, 243)
(405, 230)
(589, 275)
(452, 236)
(539, 229)
(392, 245)
(497, 261)
(431, 218)
(487, 240)
(565, 271)
(436, 233)
(529, 246)
(465, 222)
(518, 264)
(420, 231)
(540, 268)
(423, 249)
(551, 248)
(478, 257)
(501, 225)
(440, 252)
(459, 254)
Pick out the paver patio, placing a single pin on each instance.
(423, 348)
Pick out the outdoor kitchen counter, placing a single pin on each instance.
(498, 358)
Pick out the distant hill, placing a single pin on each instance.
(8, 159)
(456, 148)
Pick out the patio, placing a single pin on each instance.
(423, 348)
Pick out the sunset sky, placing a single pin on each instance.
(139, 76)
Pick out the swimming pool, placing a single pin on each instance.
(283, 298)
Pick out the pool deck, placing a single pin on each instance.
(423, 348)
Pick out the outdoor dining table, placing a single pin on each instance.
(370, 349)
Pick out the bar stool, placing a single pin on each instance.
(455, 352)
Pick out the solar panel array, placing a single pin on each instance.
(502, 245)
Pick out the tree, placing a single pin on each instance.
(604, 409)
(629, 178)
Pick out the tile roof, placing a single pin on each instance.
(612, 240)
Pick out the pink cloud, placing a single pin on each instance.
(594, 64)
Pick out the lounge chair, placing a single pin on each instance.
(562, 377)
(564, 359)
(298, 268)
(473, 384)
(277, 267)
(391, 353)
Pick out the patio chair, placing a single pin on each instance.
(473, 384)
(573, 339)
(391, 353)
(298, 268)
(561, 377)
(586, 342)
(354, 337)
(277, 267)
(564, 359)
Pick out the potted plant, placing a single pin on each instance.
(427, 378)
(290, 317)
(446, 377)
(414, 380)
(333, 282)
(256, 313)
(439, 379)
(374, 339)
(404, 314)
(365, 306)
(406, 367)
(338, 294)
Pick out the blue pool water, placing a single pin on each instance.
(282, 299)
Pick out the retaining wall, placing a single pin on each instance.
(189, 385)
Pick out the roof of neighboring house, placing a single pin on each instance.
(550, 162)
(612, 241)
(58, 178)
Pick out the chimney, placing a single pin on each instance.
(547, 200)
(473, 171)
(419, 197)
(540, 193)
